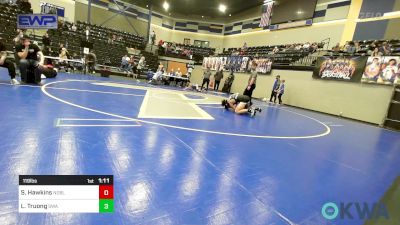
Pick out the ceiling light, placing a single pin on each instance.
(166, 6)
(202, 16)
(222, 8)
(299, 12)
(230, 14)
(147, 6)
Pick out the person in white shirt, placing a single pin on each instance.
(306, 46)
(125, 65)
(178, 72)
(190, 68)
(157, 77)
(141, 65)
(87, 32)
(179, 82)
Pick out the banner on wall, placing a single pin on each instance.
(37, 21)
(237, 64)
(47, 8)
(340, 68)
(382, 70)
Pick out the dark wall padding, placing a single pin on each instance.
(374, 8)
(372, 30)
(394, 111)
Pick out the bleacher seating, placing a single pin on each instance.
(8, 21)
(197, 52)
(99, 33)
(365, 46)
(285, 55)
(151, 60)
(107, 51)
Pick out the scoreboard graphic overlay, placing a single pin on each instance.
(66, 194)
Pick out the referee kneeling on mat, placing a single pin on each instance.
(28, 54)
(240, 104)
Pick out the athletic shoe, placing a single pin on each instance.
(14, 82)
(43, 76)
(258, 109)
(226, 105)
(252, 112)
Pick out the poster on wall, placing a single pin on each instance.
(382, 70)
(47, 8)
(243, 65)
(340, 68)
(264, 65)
(237, 64)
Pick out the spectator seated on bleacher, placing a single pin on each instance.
(385, 49)
(183, 50)
(63, 62)
(126, 65)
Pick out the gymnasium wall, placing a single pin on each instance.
(177, 29)
(383, 29)
(162, 32)
(329, 10)
(216, 41)
(316, 32)
(374, 8)
(100, 15)
(358, 101)
(166, 34)
(68, 5)
(381, 15)
(326, 10)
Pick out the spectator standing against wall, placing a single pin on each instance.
(140, 66)
(281, 91)
(218, 77)
(206, 78)
(228, 83)
(153, 37)
(275, 88)
(251, 84)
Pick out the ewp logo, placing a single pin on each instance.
(37, 21)
(331, 211)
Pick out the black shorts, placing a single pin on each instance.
(242, 98)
